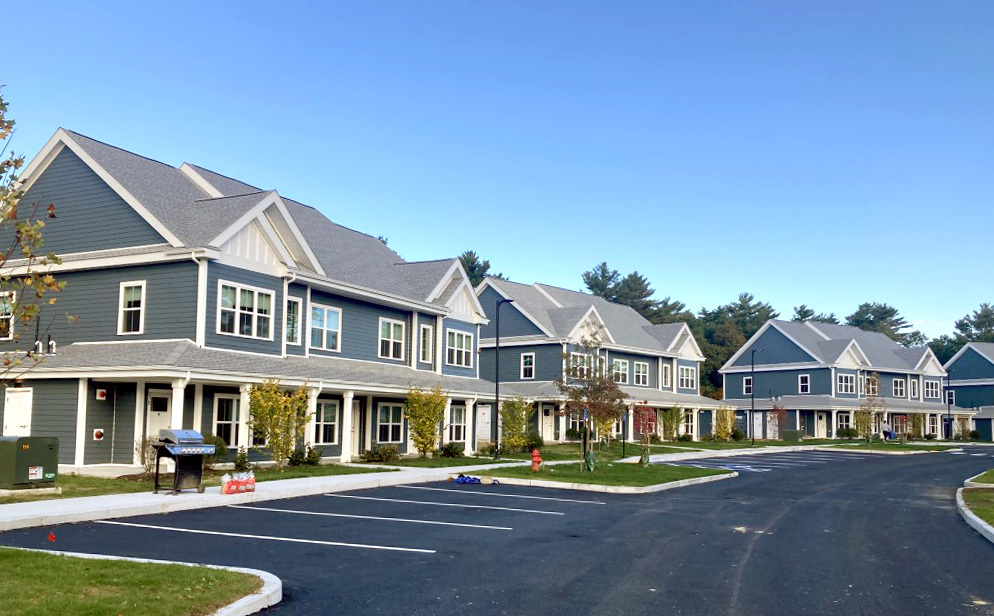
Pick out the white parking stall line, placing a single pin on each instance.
(957, 453)
(369, 517)
(365, 546)
(437, 504)
(548, 498)
(979, 454)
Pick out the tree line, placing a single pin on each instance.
(722, 330)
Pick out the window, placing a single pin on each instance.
(244, 311)
(292, 320)
(226, 421)
(641, 373)
(804, 383)
(688, 423)
(847, 383)
(457, 428)
(950, 396)
(131, 317)
(527, 366)
(427, 340)
(872, 385)
(7, 316)
(932, 389)
(844, 420)
(575, 422)
(391, 339)
(326, 423)
(933, 422)
(747, 386)
(619, 371)
(898, 387)
(666, 376)
(459, 349)
(913, 387)
(326, 328)
(580, 365)
(688, 378)
(389, 423)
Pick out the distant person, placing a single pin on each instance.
(885, 428)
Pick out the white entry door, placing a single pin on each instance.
(357, 427)
(548, 422)
(17, 411)
(158, 413)
(483, 423)
(757, 424)
(821, 426)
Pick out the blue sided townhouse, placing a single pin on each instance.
(971, 384)
(820, 373)
(542, 331)
(186, 287)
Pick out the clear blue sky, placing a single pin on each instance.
(826, 153)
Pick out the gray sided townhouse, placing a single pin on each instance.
(971, 383)
(186, 287)
(541, 336)
(821, 372)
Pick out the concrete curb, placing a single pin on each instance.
(970, 483)
(728, 453)
(269, 595)
(880, 452)
(593, 487)
(972, 519)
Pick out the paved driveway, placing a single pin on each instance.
(860, 535)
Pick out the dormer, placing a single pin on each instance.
(457, 294)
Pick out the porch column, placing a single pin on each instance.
(244, 439)
(176, 407)
(370, 411)
(470, 426)
(631, 424)
(562, 425)
(446, 420)
(139, 421)
(347, 427)
(198, 407)
(312, 410)
(797, 419)
(82, 397)
(835, 424)
(697, 424)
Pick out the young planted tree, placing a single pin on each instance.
(672, 418)
(590, 391)
(644, 419)
(425, 411)
(862, 423)
(872, 408)
(777, 421)
(724, 422)
(279, 418)
(515, 415)
(916, 428)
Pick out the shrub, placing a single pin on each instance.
(847, 433)
(424, 411)
(381, 453)
(220, 450)
(452, 450)
(241, 460)
(686, 438)
(279, 418)
(738, 434)
(931, 437)
(297, 458)
(572, 434)
(654, 439)
(724, 421)
(146, 454)
(974, 435)
(313, 456)
(533, 441)
(514, 416)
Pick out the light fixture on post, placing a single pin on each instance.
(752, 396)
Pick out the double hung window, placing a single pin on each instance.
(459, 349)
(131, 319)
(244, 311)
(326, 328)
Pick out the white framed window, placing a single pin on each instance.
(642, 373)
(457, 426)
(898, 388)
(7, 303)
(933, 423)
(389, 423)
(326, 327)
(244, 311)
(131, 310)
(427, 344)
(293, 320)
(913, 388)
(459, 348)
(932, 390)
(226, 418)
(326, 423)
(951, 396)
(688, 423)
(687, 378)
(391, 339)
(575, 422)
(804, 383)
(846, 383)
(581, 365)
(872, 385)
(619, 371)
(844, 420)
(747, 386)
(666, 383)
(527, 366)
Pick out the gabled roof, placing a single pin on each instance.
(985, 349)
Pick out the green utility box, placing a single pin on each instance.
(793, 436)
(28, 462)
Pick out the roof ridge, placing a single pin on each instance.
(426, 261)
(339, 225)
(120, 149)
(227, 177)
(257, 192)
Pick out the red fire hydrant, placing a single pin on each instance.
(536, 460)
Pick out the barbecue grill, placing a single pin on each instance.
(187, 449)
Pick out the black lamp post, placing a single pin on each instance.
(497, 376)
(752, 396)
(949, 411)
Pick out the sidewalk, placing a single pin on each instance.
(85, 509)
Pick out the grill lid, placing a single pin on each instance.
(181, 437)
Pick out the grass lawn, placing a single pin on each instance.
(881, 446)
(74, 486)
(36, 584)
(609, 474)
(571, 451)
(981, 502)
(987, 477)
(439, 462)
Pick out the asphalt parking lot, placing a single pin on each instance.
(860, 535)
(764, 463)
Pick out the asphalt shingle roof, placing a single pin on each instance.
(827, 342)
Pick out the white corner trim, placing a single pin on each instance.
(547, 295)
(82, 397)
(200, 181)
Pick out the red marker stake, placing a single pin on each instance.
(51, 536)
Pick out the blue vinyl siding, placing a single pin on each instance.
(116, 417)
(53, 413)
(704, 420)
(429, 320)
(971, 365)
(970, 396)
(453, 324)
(548, 362)
(839, 371)
(778, 383)
(773, 348)
(90, 215)
(360, 336)
(298, 291)
(220, 271)
(687, 363)
(512, 322)
(87, 309)
(632, 358)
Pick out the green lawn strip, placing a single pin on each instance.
(987, 477)
(75, 486)
(36, 584)
(439, 462)
(890, 446)
(981, 502)
(609, 474)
